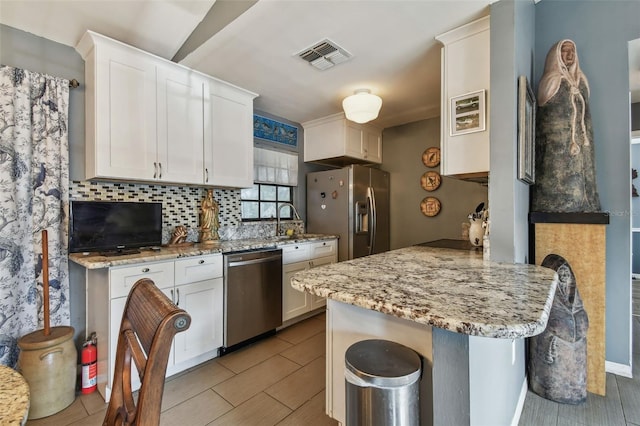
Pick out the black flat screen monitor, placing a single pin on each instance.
(114, 226)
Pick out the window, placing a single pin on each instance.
(261, 200)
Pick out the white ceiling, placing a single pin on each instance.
(392, 43)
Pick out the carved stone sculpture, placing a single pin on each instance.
(558, 356)
(565, 163)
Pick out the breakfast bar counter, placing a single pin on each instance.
(466, 317)
(453, 290)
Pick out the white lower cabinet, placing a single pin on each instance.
(195, 284)
(300, 257)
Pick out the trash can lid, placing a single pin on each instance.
(383, 363)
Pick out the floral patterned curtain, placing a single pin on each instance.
(34, 195)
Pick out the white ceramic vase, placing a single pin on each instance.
(476, 232)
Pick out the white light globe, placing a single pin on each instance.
(362, 106)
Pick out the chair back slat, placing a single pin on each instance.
(149, 323)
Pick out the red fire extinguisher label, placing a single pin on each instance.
(89, 375)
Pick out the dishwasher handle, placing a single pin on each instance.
(239, 262)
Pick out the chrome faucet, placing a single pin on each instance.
(295, 212)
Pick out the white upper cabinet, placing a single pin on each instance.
(149, 119)
(228, 135)
(180, 97)
(465, 70)
(120, 85)
(336, 140)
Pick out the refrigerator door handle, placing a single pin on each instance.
(371, 198)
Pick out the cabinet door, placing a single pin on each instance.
(317, 301)
(353, 140)
(228, 136)
(204, 302)
(292, 253)
(180, 123)
(323, 248)
(294, 302)
(372, 145)
(123, 142)
(122, 279)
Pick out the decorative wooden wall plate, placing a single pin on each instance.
(430, 181)
(431, 156)
(430, 206)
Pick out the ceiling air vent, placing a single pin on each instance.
(324, 54)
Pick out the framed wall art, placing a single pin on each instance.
(430, 181)
(467, 113)
(430, 206)
(431, 156)
(526, 131)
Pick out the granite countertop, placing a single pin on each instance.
(14, 397)
(97, 261)
(451, 289)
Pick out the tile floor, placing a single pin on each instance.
(277, 381)
(280, 381)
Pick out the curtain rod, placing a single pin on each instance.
(74, 83)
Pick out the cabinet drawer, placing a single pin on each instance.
(199, 268)
(295, 252)
(323, 248)
(122, 279)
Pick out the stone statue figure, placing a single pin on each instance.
(209, 219)
(565, 164)
(558, 355)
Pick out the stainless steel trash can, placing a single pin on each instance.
(382, 384)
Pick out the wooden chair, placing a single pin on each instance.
(149, 322)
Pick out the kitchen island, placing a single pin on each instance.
(466, 317)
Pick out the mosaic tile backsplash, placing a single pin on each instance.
(180, 206)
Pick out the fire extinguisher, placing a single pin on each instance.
(89, 359)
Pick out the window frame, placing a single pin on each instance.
(261, 201)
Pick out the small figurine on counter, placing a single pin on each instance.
(477, 225)
(179, 235)
(209, 219)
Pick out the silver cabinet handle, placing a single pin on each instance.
(155, 170)
(206, 174)
(172, 298)
(145, 270)
(178, 293)
(160, 168)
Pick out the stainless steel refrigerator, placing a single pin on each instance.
(352, 202)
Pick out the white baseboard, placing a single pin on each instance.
(520, 406)
(618, 369)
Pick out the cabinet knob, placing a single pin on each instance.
(145, 270)
(201, 261)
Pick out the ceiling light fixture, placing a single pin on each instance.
(362, 106)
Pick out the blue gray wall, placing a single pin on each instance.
(24, 50)
(512, 41)
(601, 31)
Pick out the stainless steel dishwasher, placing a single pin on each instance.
(252, 295)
